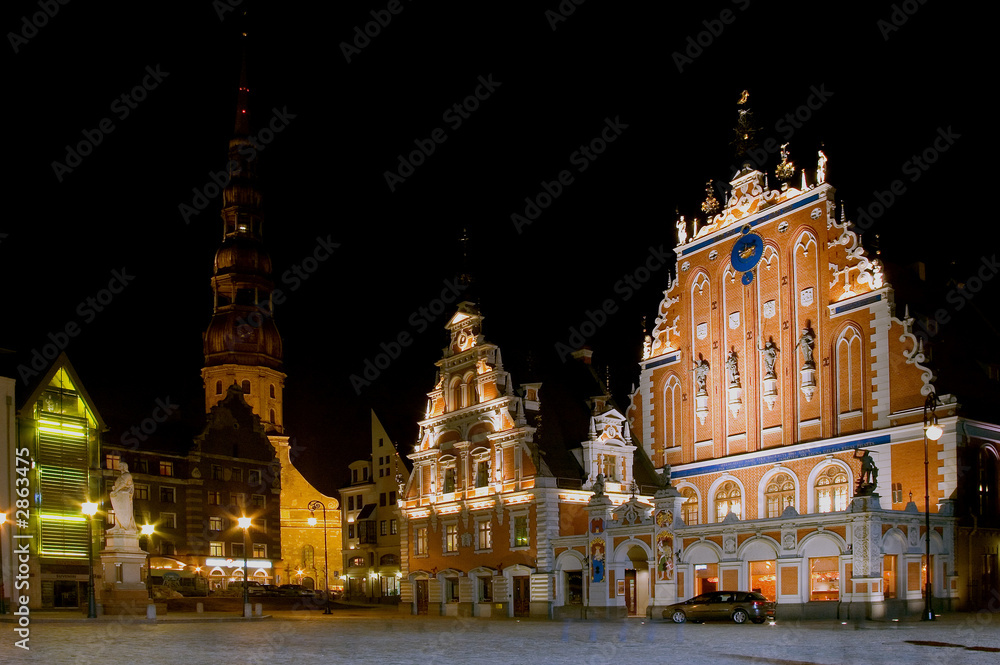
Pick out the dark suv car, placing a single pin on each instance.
(735, 605)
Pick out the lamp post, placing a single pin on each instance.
(245, 525)
(313, 505)
(147, 530)
(3, 607)
(90, 509)
(933, 432)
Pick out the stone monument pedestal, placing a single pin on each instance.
(122, 559)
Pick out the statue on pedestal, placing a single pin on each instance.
(701, 368)
(769, 352)
(868, 478)
(806, 341)
(121, 501)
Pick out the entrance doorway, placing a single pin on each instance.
(630, 589)
(66, 593)
(522, 596)
(422, 596)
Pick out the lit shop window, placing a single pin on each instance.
(824, 578)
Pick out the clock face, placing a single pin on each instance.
(747, 251)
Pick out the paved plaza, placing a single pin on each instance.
(386, 639)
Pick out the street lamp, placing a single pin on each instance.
(313, 505)
(3, 607)
(90, 509)
(147, 530)
(933, 432)
(245, 525)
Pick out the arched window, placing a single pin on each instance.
(831, 490)
(454, 391)
(388, 560)
(358, 562)
(689, 509)
(307, 556)
(779, 494)
(272, 391)
(246, 387)
(218, 387)
(272, 415)
(727, 500)
(471, 396)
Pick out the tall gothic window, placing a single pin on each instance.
(831, 490)
(689, 509)
(779, 494)
(727, 500)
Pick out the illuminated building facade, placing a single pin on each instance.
(60, 428)
(370, 509)
(776, 361)
(782, 400)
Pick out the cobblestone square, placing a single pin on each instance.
(388, 638)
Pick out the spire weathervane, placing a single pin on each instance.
(745, 130)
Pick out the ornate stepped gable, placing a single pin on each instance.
(475, 432)
(778, 328)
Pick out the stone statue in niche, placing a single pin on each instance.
(807, 340)
(701, 368)
(769, 353)
(733, 369)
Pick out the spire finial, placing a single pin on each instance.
(745, 130)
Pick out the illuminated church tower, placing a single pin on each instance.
(242, 344)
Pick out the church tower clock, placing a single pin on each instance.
(242, 345)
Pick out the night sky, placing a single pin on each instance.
(663, 81)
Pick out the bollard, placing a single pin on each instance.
(151, 611)
(258, 610)
(200, 608)
(246, 610)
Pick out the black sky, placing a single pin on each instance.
(887, 99)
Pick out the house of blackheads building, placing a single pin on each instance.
(775, 443)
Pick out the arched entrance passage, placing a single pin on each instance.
(704, 560)
(637, 582)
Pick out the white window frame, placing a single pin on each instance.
(513, 529)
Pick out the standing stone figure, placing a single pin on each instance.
(733, 370)
(769, 351)
(869, 472)
(682, 234)
(121, 501)
(701, 368)
(806, 341)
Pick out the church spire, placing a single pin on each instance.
(242, 344)
(242, 127)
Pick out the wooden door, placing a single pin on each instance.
(630, 592)
(421, 596)
(522, 596)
